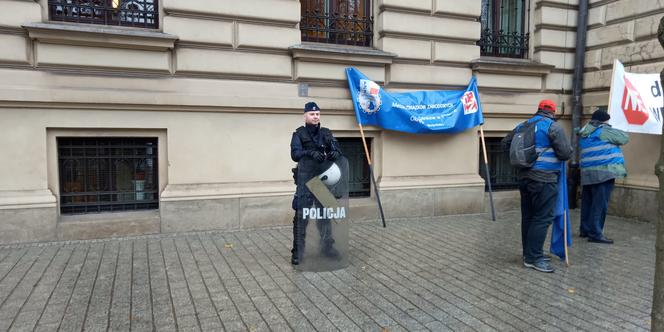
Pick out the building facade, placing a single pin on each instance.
(122, 117)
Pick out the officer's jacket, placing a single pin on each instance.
(601, 158)
(312, 139)
(304, 139)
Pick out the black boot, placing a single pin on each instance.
(295, 257)
(298, 241)
(328, 250)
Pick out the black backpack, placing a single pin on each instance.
(523, 152)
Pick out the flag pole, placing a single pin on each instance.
(565, 237)
(371, 173)
(488, 176)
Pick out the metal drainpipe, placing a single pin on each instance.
(577, 110)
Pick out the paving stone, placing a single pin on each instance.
(47, 327)
(456, 273)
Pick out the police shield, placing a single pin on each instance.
(322, 219)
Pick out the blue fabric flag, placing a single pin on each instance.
(562, 218)
(439, 111)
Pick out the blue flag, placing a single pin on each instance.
(439, 111)
(562, 218)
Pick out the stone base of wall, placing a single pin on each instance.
(225, 213)
(256, 212)
(634, 203)
(503, 201)
(90, 226)
(433, 202)
(625, 202)
(27, 225)
(43, 224)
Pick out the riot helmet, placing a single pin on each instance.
(331, 175)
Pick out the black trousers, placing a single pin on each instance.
(538, 203)
(300, 230)
(594, 205)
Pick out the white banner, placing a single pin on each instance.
(635, 101)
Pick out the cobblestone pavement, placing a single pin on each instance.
(451, 273)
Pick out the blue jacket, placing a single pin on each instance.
(547, 159)
(552, 145)
(601, 158)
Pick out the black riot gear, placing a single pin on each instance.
(322, 195)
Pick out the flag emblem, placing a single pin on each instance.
(469, 103)
(369, 96)
(632, 105)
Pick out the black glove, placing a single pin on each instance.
(316, 155)
(334, 155)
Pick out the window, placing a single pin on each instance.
(107, 174)
(504, 28)
(359, 181)
(132, 13)
(347, 22)
(503, 175)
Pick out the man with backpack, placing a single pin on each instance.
(539, 148)
(601, 163)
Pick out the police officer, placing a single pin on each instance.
(311, 146)
(538, 185)
(601, 163)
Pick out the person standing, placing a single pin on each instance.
(601, 162)
(311, 146)
(538, 185)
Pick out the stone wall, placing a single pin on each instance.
(626, 30)
(222, 85)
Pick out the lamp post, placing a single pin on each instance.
(657, 316)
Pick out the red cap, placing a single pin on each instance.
(547, 105)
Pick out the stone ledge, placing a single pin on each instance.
(104, 36)
(345, 54)
(497, 65)
(389, 183)
(211, 191)
(105, 225)
(27, 199)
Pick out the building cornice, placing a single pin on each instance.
(104, 36)
(497, 65)
(340, 54)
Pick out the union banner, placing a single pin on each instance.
(635, 102)
(429, 111)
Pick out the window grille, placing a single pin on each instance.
(131, 13)
(504, 28)
(359, 182)
(503, 175)
(347, 22)
(107, 174)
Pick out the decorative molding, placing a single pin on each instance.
(556, 49)
(27, 199)
(551, 4)
(600, 3)
(403, 9)
(319, 52)
(462, 41)
(229, 18)
(496, 65)
(391, 183)
(424, 12)
(231, 48)
(626, 64)
(555, 27)
(186, 192)
(104, 36)
(635, 17)
(5, 30)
